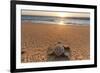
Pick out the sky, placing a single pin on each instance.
(58, 14)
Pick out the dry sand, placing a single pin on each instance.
(36, 38)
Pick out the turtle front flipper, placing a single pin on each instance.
(67, 52)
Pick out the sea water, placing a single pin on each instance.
(56, 20)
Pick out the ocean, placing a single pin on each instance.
(56, 20)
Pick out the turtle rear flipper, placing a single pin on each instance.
(50, 50)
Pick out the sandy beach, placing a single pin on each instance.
(36, 38)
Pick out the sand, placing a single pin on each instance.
(36, 38)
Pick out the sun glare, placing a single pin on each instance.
(62, 16)
(61, 23)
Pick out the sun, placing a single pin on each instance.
(62, 15)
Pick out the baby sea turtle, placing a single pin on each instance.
(59, 49)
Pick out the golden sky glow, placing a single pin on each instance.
(58, 14)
